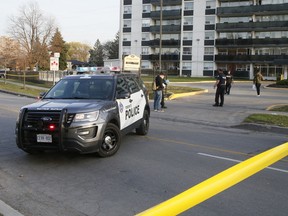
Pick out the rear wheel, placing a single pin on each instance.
(111, 141)
(144, 126)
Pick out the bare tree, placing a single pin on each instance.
(31, 27)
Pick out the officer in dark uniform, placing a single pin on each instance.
(229, 81)
(221, 86)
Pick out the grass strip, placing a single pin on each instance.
(20, 89)
(268, 119)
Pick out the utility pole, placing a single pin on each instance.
(160, 45)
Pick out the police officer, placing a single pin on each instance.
(229, 81)
(220, 90)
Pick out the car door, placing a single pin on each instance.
(123, 101)
(138, 100)
(131, 107)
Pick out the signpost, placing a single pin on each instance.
(132, 63)
(54, 64)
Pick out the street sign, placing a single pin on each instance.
(54, 64)
(132, 63)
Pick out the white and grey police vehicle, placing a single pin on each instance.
(85, 113)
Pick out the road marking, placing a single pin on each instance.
(238, 161)
(203, 147)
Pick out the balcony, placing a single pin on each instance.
(166, 14)
(166, 29)
(267, 59)
(164, 57)
(165, 43)
(252, 26)
(253, 9)
(166, 2)
(257, 42)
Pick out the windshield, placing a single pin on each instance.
(101, 89)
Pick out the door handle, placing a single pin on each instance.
(130, 100)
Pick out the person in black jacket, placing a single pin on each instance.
(229, 81)
(220, 91)
(158, 92)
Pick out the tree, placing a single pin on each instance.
(9, 52)
(112, 48)
(58, 45)
(96, 54)
(29, 28)
(78, 51)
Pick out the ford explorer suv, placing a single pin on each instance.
(85, 113)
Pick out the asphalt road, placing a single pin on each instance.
(177, 154)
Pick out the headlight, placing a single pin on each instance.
(92, 116)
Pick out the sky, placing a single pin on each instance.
(78, 21)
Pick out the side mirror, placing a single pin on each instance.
(123, 95)
(41, 95)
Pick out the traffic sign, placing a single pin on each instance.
(54, 64)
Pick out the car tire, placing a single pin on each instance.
(144, 126)
(111, 141)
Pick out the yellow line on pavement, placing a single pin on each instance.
(198, 146)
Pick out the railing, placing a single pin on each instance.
(218, 183)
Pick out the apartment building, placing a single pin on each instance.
(196, 37)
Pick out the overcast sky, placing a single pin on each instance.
(82, 21)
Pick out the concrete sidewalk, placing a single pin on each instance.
(240, 104)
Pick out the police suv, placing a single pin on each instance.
(85, 113)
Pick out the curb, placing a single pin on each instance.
(262, 128)
(7, 210)
(17, 94)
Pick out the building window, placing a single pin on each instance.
(146, 9)
(187, 50)
(145, 36)
(126, 50)
(127, 23)
(145, 23)
(188, 5)
(209, 35)
(209, 51)
(126, 36)
(187, 36)
(145, 51)
(210, 4)
(127, 9)
(187, 66)
(210, 20)
(188, 21)
(208, 65)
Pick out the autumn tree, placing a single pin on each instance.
(32, 30)
(78, 51)
(58, 45)
(97, 54)
(9, 52)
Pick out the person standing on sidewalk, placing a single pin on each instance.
(229, 81)
(158, 92)
(165, 83)
(220, 86)
(258, 78)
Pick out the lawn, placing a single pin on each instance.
(268, 119)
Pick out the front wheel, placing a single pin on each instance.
(144, 126)
(111, 141)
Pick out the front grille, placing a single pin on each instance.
(38, 122)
